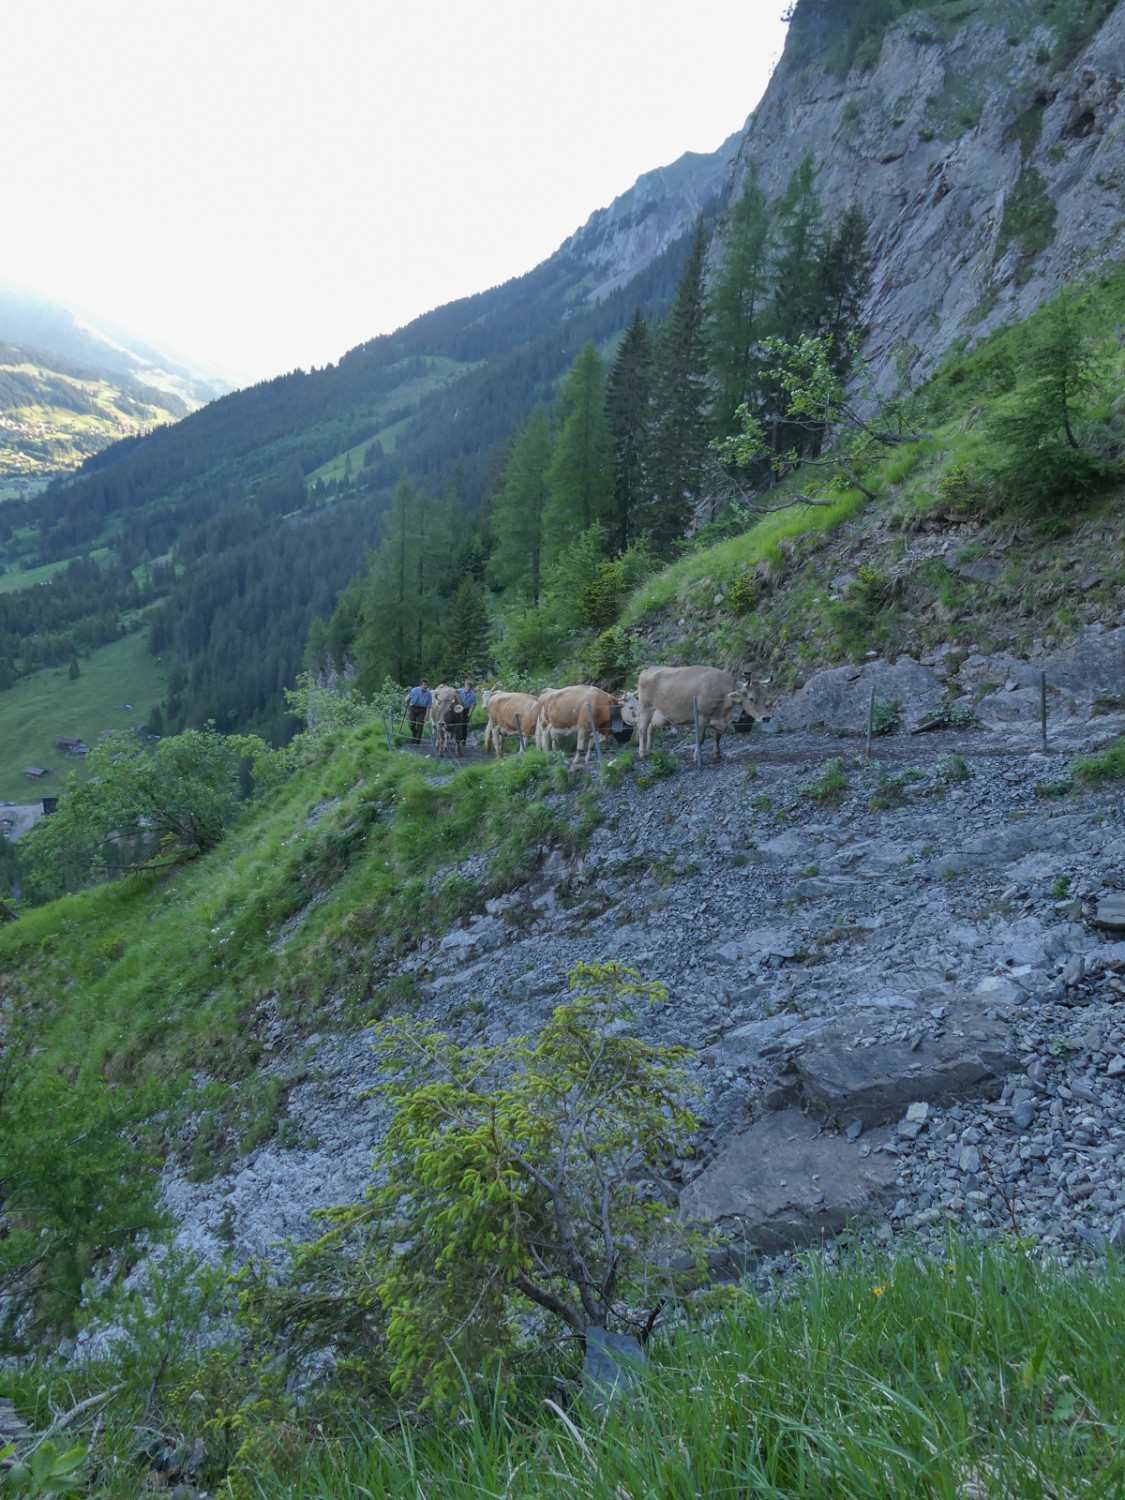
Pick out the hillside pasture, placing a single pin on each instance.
(37, 711)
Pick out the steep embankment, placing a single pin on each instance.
(890, 971)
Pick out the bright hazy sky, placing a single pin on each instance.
(259, 185)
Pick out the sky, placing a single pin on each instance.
(259, 185)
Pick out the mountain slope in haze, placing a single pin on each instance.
(69, 391)
(95, 344)
(55, 414)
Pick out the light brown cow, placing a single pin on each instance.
(665, 696)
(568, 710)
(503, 709)
(445, 712)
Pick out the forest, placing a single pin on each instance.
(615, 476)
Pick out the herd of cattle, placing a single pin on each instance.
(664, 695)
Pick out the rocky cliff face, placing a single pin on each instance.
(990, 173)
(617, 242)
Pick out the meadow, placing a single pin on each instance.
(38, 710)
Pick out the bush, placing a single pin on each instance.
(1107, 766)
(829, 786)
(886, 716)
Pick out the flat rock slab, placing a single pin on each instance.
(1111, 912)
(784, 1182)
(849, 1072)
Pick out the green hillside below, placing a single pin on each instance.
(116, 688)
(53, 417)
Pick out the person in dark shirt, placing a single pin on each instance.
(468, 702)
(418, 701)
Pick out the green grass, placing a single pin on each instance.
(38, 710)
(12, 580)
(978, 1369)
(981, 1372)
(714, 569)
(128, 994)
(1105, 767)
(442, 373)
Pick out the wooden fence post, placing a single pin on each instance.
(1043, 708)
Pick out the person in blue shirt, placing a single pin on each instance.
(418, 701)
(468, 702)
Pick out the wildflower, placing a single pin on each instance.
(877, 1291)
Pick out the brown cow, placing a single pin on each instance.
(503, 709)
(665, 696)
(568, 710)
(445, 713)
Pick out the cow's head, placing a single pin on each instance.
(624, 714)
(629, 708)
(748, 703)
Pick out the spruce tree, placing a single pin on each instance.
(845, 274)
(580, 477)
(739, 300)
(516, 563)
(467, 628)
(678, 445)
(398, 634)
(628, 407)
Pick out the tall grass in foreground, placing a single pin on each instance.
(982, 1373)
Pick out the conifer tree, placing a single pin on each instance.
(678, 445)
(399, 631)
(798, 295)
(739, 301)
(628, 408)
(845, 273)
(516, 564)
(580, 476)
(467, 629)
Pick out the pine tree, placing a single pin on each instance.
(678, 446)
(739, 301)
(628, 409)
(399, 632)
(799, 297)
(580, 476)
(467, 629)
(845, 274)
(516, 564)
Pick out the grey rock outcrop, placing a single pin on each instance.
(939, 143)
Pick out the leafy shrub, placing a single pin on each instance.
(500, 1151)
(829, 786)
(886, 716)
(952, 769)
(742, 595)
(609, 658)
(1107, 766)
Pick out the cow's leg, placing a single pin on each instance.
(718, 746)
(644, 733)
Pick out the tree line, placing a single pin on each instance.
(608, 477)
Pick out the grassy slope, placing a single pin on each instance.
(37, 710)
(404, 398)
(787, 596)
(309, 900)
(49, 436)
